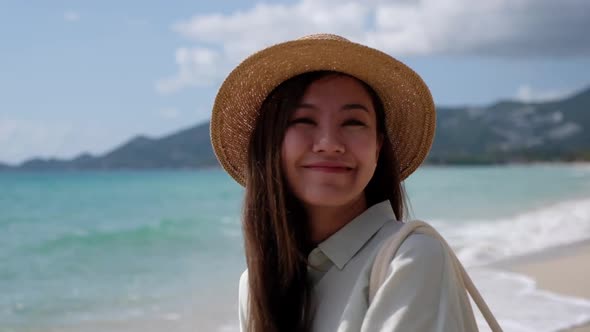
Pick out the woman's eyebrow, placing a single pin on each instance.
(355, 106)
(306, 105)
(344, 107)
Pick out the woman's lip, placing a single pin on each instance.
(330, 169)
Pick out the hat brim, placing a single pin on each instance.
(409, 108)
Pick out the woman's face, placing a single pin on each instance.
(331, 146)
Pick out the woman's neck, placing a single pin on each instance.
(327, 220)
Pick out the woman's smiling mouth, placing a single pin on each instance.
(329, 167)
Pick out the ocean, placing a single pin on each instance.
(126, 250)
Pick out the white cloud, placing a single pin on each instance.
(242, 33)
(197, 66)
(400, 27)
(71, 16)
(230, 38)
(526, 93)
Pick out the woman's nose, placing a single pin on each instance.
(328, 140)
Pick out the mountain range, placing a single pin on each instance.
(507, 131)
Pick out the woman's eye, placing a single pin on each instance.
(354, 123)
(301, 120)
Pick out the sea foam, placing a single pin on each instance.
(480, 242)
(515, 299)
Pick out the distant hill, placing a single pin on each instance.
(507, 131)
(512, 131)
(188, 148)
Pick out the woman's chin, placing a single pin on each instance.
(329, 199)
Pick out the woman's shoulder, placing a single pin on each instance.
(420, 258)
(422, 247)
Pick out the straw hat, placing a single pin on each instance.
(409, 109)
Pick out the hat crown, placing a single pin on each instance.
(324, 36)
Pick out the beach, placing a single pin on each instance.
(163, 251)
(563, 270)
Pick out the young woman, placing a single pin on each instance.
(322, 132)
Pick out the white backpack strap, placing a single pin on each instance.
(391, 245)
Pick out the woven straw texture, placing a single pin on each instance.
(409, 108)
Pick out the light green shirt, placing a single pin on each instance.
(421, 292)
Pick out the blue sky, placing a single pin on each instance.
(87, 76)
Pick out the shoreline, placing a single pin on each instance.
(563, 269)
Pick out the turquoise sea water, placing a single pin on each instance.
(85, 247)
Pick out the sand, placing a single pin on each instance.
(564, 270)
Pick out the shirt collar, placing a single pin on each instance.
(341, 246)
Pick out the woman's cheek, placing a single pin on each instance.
(363, 141)
(293, 140)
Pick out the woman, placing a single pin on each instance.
(322, 132)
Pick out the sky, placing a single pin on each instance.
(82, 76)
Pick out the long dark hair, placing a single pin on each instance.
(277, 242)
